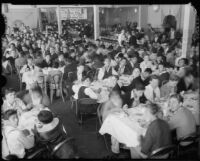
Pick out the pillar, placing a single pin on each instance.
(188, 29)
(59, 20)
(139, 16)
(96, 22)
(39, 20)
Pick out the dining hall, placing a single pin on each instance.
(100, 81)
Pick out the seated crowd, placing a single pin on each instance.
(152, 70)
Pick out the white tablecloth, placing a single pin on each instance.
(125, 129)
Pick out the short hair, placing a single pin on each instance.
(45, 116)
(9, 90)
(140, 87)
(177, 96)
(148, 70)
(9, 113)
(154, 77)
(154, 108)
(185, 61)
(120, 55)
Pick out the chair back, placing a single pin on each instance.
(61, 145)
(163, 152)
(41, 82)
(190, 139)
(37, 154)
(99, 113)
(87, 101)
(56, 80)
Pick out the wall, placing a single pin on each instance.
(27, 16)
(156, 18)
(115, 15)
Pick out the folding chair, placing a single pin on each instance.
(56, 83)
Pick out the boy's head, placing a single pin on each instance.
(11, 116)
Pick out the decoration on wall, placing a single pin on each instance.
(135, 10)
(156, 8)
(73, 13)
(102, 11)
(18, 23)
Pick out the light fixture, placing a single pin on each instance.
(156, 8)
(102, 11)
(135, 10)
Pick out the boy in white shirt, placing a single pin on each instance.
(152, 91)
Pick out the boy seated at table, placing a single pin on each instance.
(107, 70)
(137, 95)
(169, 87)
(152, 91)
(83, 89)
(18, 141)
(28, 119)
(12, 102)
(50, 131)
(157, 135)
(182, 120)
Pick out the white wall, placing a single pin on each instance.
(27, 16)
(156, 18)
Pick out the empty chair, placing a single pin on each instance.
(56, 84)
(86, 106)
(42, 83)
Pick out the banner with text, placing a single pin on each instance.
(73, 13)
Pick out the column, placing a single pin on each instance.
(188, 29)
(59, 20)
(139, 16)
(96, 22)
(39, 20)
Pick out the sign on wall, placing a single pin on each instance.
(73, 13)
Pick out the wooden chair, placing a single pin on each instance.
(42, 83)
(100, 123)
(56, 83)
(163, 152)
(85, 102)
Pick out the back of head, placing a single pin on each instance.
(45, 116)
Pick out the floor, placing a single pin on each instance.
(90, 145)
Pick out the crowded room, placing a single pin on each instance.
(100, 81)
